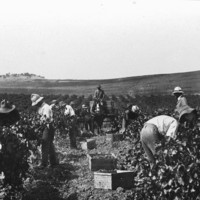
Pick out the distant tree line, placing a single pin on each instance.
(28, 75)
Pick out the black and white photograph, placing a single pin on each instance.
(100, 100)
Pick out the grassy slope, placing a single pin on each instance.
(140, 85)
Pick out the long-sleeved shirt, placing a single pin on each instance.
(69, 111)
(182, 102)
(166, 125)
(45, 112)
(182, 107)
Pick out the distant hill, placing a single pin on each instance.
(138, 85)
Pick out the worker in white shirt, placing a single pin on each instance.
(187, 115)
(46, 117)
(155, 130)
(69, 111)
(70, 122)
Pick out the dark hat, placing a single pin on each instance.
(128, 105)
(99, 86)
(6, 107)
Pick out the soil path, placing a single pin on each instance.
(72, 178)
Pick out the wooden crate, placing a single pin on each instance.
(106, 125)
(88, 144)
(113, 180)
(113, 137)
(109, 106)
(102, 161)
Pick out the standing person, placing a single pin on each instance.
(48, 131)
(185, 113)
(131, 113)
(158, 129)
(99, 96)
(70, 122)
(86, 118)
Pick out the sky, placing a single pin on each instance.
(99, 39)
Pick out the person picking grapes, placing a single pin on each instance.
(161, 128)
(46, 118)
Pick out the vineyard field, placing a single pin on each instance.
(176, 176)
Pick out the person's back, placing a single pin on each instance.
(158, 129)
(46, 112)
(165, 124)
(183, 111)
(69, 111)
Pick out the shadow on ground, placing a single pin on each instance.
(45, 183)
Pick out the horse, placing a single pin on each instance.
(85, 120)
(100, 112)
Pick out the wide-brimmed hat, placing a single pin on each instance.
(6, 107)
(36, 98)
(178, 90)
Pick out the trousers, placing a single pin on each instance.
(149, 136)
(48, 149)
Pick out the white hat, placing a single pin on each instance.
(84, 106)
(178, 90)
(135, 108)
(6, 107)
(36, 98)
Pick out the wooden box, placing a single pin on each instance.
(113, 180)
(102, 161)
(106, 125)
(88, 144)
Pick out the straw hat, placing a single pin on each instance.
(36, 98)
(6, 107)
(178, 90)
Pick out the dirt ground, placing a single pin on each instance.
(72, 179)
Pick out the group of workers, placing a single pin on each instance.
(159, 128)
